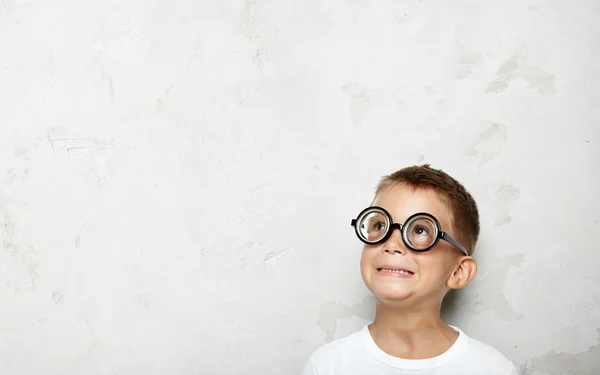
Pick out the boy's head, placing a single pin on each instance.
(423, 261)
(462, 206)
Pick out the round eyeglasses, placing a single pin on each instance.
(420, 232)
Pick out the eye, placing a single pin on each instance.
(421, 230)
(378, 226)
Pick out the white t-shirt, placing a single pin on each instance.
(358, 354)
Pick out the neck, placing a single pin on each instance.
(411, 333)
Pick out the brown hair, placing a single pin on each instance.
(462, 206)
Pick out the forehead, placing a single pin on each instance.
(401, 201)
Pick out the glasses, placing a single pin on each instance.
(420, 232)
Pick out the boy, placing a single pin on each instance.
(419, 234)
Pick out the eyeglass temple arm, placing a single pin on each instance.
(446, 236)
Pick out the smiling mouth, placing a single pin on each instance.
(398, 271)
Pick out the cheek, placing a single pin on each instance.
(363, 259)
(367, 257)
(436, 267)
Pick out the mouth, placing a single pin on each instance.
(395, 271)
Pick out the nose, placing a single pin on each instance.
(395, 244)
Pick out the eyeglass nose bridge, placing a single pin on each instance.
(391, 229)
(396, 225)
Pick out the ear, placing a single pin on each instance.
(465, 271)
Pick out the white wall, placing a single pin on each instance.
(177, 178)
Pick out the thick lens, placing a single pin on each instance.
(373, 226)
(421, 232)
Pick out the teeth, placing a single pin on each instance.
(397, 271)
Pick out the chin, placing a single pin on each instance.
(392, 297)
(390, 293)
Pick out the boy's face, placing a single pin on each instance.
(428, 272)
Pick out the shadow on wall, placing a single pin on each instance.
(451, 303)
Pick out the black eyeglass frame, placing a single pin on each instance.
(441, 235)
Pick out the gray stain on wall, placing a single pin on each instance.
(143, 301)
(553, 363)
(504, 196)
(464, 62)
(57, 296)
(260, 58)
(250, 22)
(332, 310)
(111, 87)
(73, 146)
(161, 101)
(491, 296)
(488, 143)
(359, 101)
(21, 262)
(34, 276)
(274, 258)
(7, 228)
(19, 257)
(515, 67)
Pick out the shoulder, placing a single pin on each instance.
(337, 347)
(478, 349)
(488, 357)
(335, 350)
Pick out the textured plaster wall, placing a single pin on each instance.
(177, 178)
